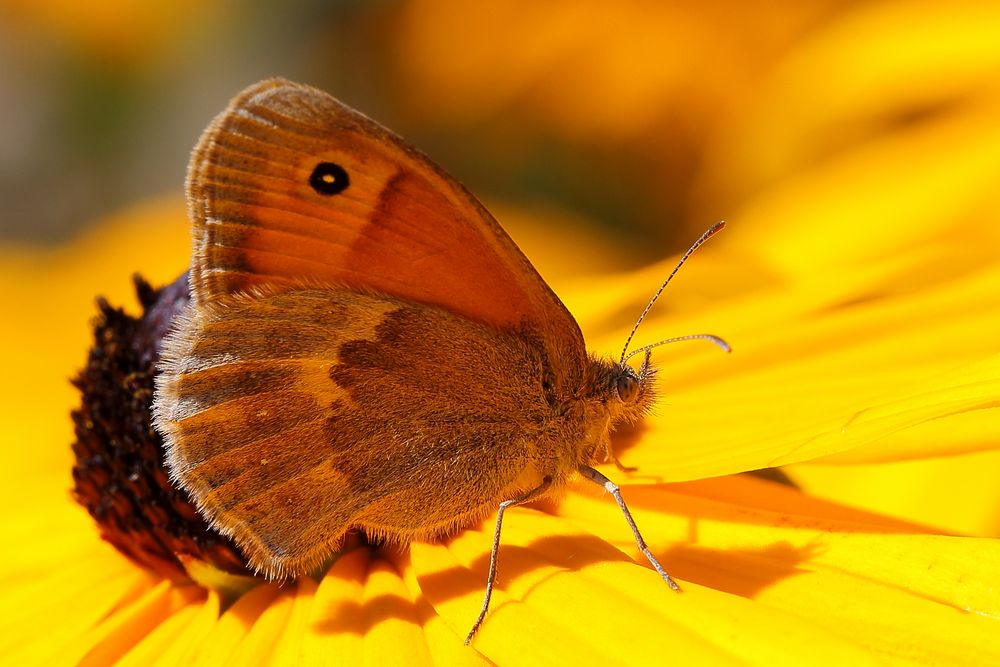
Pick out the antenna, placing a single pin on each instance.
(709, 337)
(718, 341)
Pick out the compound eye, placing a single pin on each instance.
(628, 388)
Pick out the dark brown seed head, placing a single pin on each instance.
(119, 474)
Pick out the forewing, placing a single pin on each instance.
(402, 227)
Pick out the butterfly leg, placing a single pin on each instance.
(644, 371)
(612, 488)
(621, 466)
(530, 495)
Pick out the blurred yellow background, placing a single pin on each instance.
(649, 118)
(646, 119)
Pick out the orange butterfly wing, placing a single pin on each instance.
(293, 416)
(352, 303)
(401, 226)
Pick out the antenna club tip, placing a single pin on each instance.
(722, 344)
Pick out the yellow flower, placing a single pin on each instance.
(858, 285)
(768, 572)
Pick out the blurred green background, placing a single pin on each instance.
(100, 103)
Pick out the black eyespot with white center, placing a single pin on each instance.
(329, 179)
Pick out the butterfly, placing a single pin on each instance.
(366, 348)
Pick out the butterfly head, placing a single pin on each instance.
(614, 394)
(631, 392)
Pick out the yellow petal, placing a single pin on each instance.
(335, 624)
(563, 586)
(909, 595)
(869, 368)
(392, 630)
(261, 638)
(114, 636)
(291, 638)
(43, 614)
(229, 640)
(175, 639)
(955, 494)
